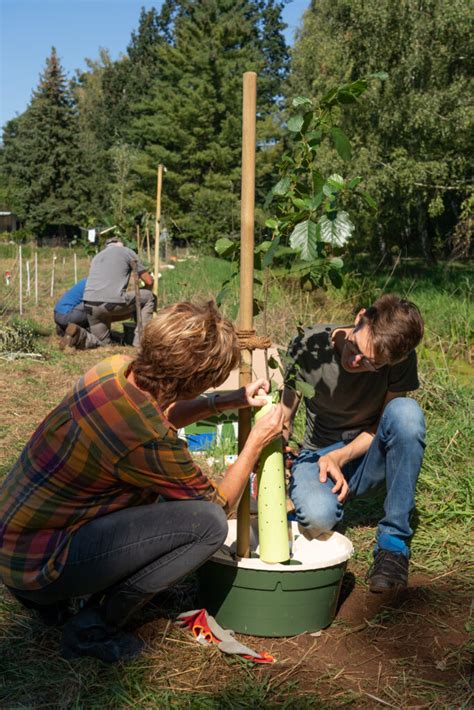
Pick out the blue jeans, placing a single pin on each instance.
(393, 460)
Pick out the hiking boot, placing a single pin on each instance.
(389, 572)
(70, 337)
(87, 634)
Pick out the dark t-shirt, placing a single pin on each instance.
(344, 403)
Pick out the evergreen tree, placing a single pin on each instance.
(412, 134)
(41, 157)
(191, 122)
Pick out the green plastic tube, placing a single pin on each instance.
(272, 521)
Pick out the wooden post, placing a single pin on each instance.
(52, 275)
(159, 182)
(36, 278)
(20, 272)
(75, 268)
(28, 280)
(139, 246)
(247, 211)
(148, 247)
(138, 306)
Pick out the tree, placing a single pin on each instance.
(191, 122)
(40, 155)
(414, 130)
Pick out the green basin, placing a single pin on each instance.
(274, 601)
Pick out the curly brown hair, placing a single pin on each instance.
(184, 350)
(396, 327)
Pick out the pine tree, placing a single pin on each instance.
(191, 122)
(41, 156)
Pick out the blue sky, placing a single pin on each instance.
(77, 28)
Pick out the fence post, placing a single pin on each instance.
(20, 271)
(36, 278)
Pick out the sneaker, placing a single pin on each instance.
(87, 634)
(389, 572)
(70, 336)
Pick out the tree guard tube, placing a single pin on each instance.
(272, 519)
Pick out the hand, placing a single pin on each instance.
(252, 395)
(269, 427)
(329, 467)
(289, 455)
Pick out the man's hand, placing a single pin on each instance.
(253, 395)
(329, 467)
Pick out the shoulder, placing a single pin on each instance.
(312, 339)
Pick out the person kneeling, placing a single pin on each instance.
(80, 511)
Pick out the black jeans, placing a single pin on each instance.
(145, 549)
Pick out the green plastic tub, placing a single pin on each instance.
(259, 599)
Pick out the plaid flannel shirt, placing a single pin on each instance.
(105, 447)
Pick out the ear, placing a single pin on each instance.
(359, 316)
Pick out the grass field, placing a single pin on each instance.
(404, 652)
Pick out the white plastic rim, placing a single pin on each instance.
(307, 554)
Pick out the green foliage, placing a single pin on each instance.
(413, 130)
(40, 155)
(18, 336)
(190, 121)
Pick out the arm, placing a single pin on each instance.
(146, 278)
(331, 464)
(265, 430)
(290, 401)
(187, 411)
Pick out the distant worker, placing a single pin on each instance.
(106, 298)
(70, 308)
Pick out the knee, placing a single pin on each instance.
(215, 528)
(404, 417)
(319, 508)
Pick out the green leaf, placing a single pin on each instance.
(303, 238)
(301, 101)
(336, 231)
(271, 223)
(299, 203)
(263, 246)
(225, 247)
(272, 363)
(341, 143)
(336, 181)
(368, 198)
(336, 263)
(295, 124)
(312, 203)
(282, 187)
(329, 98)
(233, 311)
(382, 75)
(270, 255)
(305, 388)
(345, 97)
(354, 182)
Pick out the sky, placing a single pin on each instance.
(77, 28)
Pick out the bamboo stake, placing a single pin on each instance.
(247, 218)
(20, 292)
(138, 306)
(28, 280)
(36, 278)
(139, 246)
(52, 275)
(75, 268)
(159, 182)
(148, 247)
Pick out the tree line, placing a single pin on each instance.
(85, 151)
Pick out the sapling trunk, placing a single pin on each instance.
(272, 520)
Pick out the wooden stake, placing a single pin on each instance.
(75, 268)
(148, 247)
(28, 282)
(52, 276)
(247, 217)
(36, 278)
(20, 271)
(159, 182)
(139, 246)
(137, 298)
